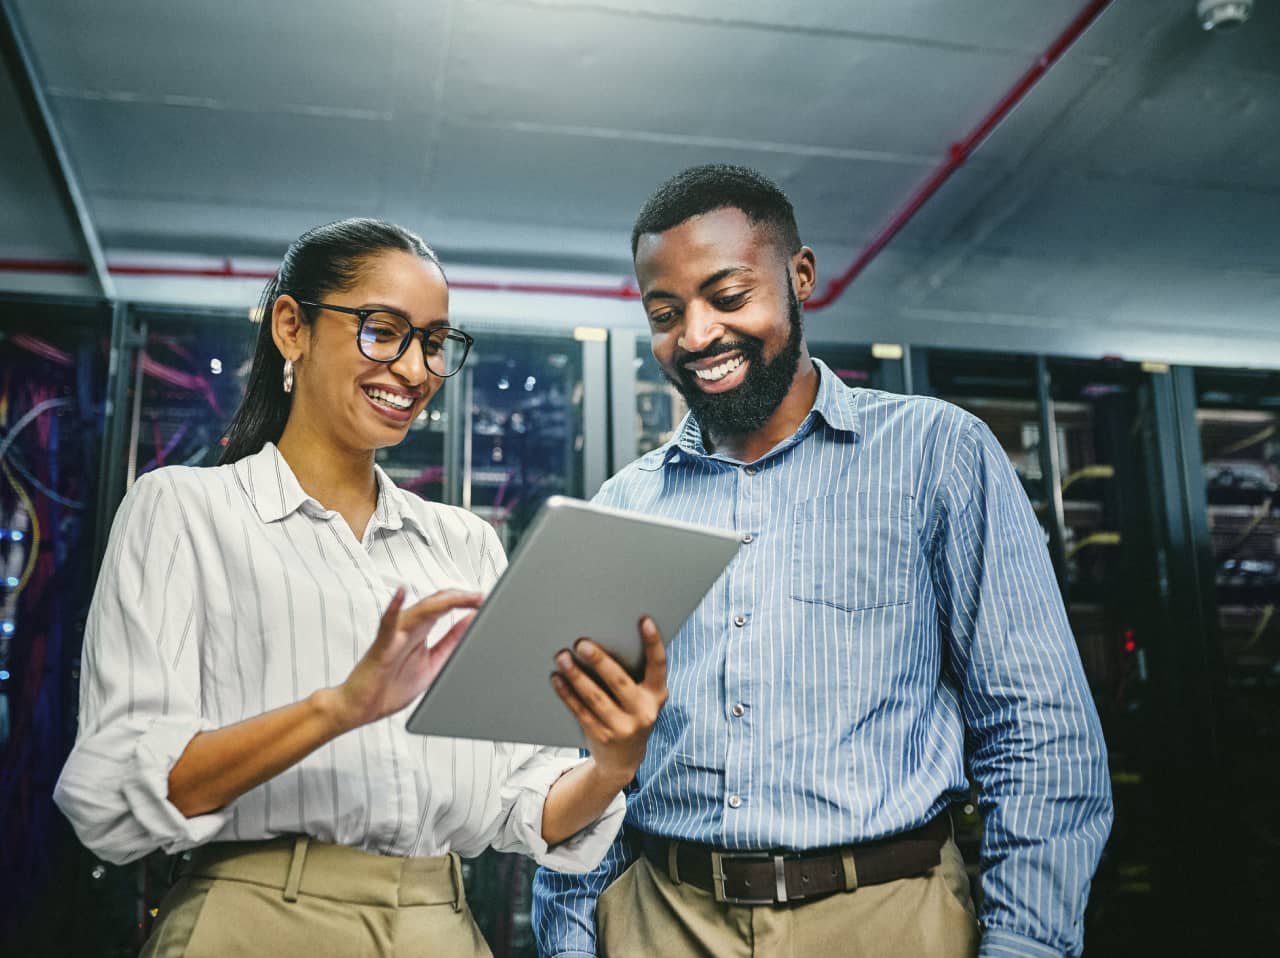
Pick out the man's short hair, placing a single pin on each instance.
(717, 186)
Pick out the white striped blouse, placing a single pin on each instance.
(229, 591)
(892, 623)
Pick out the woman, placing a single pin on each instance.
(259, 628)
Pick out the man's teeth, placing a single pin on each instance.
(718, 372)
(390, 399)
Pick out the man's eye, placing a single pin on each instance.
(729, 301)
(661, 319)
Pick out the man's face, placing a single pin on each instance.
(725, 317)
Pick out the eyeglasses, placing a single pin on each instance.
(384, 336)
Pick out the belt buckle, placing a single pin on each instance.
(718, 878)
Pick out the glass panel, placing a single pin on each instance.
(1239, 419)
(525, 399)
(855, 365)
(192, 377)
(659, 406)
(1001, 391)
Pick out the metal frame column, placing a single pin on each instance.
(595, 415)
(1184, 672)
(1051, 473)
(622, 398)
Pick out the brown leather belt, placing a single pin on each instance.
(784, 877)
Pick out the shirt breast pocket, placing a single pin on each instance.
(847, 555)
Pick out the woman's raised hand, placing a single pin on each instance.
(616, 722)
(398, 666)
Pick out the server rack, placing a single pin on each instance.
(1237, 414)
(53, 387)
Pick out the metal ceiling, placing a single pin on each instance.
(1130, 204)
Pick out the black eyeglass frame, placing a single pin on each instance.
(450, 332)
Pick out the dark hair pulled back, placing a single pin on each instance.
(327, 259)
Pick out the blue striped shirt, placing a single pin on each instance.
(894, 601)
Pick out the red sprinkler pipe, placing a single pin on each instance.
(958, 153)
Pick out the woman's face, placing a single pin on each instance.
(358, 403)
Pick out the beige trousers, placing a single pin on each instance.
(293, 897)
(929, 916)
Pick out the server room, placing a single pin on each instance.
(962, 317)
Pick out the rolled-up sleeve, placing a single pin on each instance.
(524, 793)
(140, 686)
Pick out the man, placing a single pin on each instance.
(891, 619)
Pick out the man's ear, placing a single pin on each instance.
(288, 328)
(805, 267)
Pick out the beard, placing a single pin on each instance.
(748, 407)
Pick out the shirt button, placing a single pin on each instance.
(750, 470)
(739, 620)
(747, 537)
(738, 710)
(735, 801)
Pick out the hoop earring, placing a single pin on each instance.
(288, 375)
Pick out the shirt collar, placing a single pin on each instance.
(275, 493)
(394, 510)
(835, 404)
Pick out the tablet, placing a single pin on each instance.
(580, 570)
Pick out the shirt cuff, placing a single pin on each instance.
(999, 943)
(525, 792)
(146, 791)
(114, 789)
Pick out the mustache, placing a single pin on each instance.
(748, 347)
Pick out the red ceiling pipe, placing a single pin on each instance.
(958, 153)
(42, 266)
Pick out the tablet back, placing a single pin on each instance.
(581, 570)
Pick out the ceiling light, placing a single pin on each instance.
(1223, 14)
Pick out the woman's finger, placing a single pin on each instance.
(424, 611)
(387, 624)
(439, 653)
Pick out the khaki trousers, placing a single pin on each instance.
(293, 897)
(929, 916)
